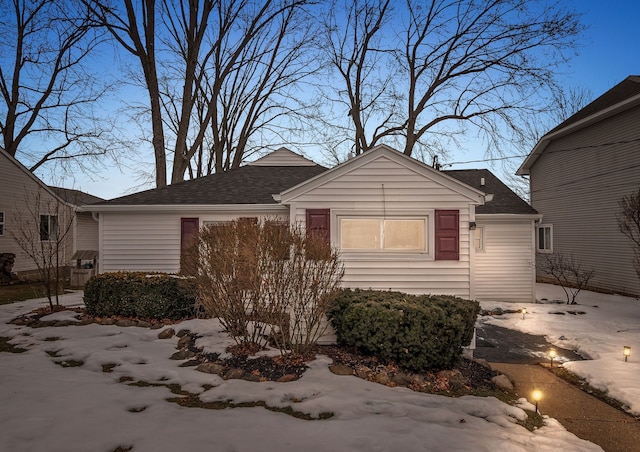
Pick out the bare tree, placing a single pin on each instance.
(48, 93)
(457, 65)
(563, 104)
(629, 224)
(567, 271)
(217, 73)
(42, 229)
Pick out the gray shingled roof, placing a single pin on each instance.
(245, 185)
(75, 197)
(504, 199)
(256, 185)
(629, 87)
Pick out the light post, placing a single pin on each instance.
(626, 352)
(552, 354)
(524, 311)
(537, 395)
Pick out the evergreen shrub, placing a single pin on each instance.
(417, 332)
(138, 294)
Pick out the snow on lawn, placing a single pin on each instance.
(601, 326)
(47, 407)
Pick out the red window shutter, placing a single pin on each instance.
(189, 228)
(318, 223)
(447, 235)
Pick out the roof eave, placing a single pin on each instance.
(186, 207)
(508, 216)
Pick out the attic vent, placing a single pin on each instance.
(482, 181)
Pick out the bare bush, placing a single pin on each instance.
(266, 282)
(629, 224)
(568, 272)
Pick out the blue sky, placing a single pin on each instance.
(610, 52)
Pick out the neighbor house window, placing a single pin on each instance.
(478, 238)
(379, 234)
(48, 227)
(1, 223)
(544, 238)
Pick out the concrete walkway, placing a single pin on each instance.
(580, 413)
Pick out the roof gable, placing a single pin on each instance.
(378, 153)
(624, 90)
(621, 97)
(283, 157)
(64, 195)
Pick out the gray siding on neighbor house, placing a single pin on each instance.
(576, 184)
(406, 192)
(22, 199)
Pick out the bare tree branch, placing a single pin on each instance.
(46, 87)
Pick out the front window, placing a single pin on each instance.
(544, 239)
(379, 234)
(48, 227)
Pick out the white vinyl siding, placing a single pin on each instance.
(576, 185)
(384, 188)
(150, 241)
(140, 242)
(504, 270)
(86, 232)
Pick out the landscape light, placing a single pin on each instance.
(552, 354)
(537, 395)
(524, 311)
(626, 352)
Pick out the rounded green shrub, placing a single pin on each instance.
(417, 332)
(136, 294)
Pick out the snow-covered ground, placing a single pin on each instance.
(46, 407)
(602, 326)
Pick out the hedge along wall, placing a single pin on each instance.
(135, 294)
(417, 332)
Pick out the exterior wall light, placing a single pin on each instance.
(472, 225)
(537, 395)
(626, 352)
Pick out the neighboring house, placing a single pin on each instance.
(579, 171)
(28, 205)
(398, 223)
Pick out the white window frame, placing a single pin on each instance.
(52, 236)
(2, 223)
(427, 241)
(544, 247)
(478, 238)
